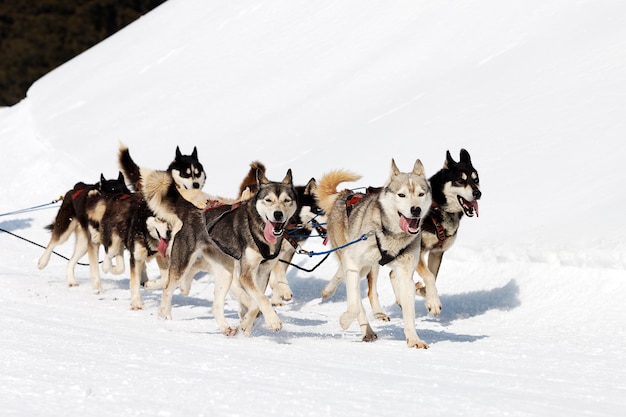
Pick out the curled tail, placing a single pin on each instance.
(326, 192)
(249, 181)
(131, 171)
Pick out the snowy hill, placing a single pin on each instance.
(532, 291)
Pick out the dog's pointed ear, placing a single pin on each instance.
(178, 154)
(288, 177)
(102, 179)
(394, 168)
(465, 157)
(194, 154)
(449, 161)
(418, 168)
(120, 177)
(310, 187)
(261, 179)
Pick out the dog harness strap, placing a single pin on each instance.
(351, 200)
(77, 193)
(385, 257)
(441, 232)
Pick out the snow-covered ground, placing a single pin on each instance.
(533, 292)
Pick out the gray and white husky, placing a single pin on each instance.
(237, 243)
(386, 225)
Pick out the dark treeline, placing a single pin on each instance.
(37, 36)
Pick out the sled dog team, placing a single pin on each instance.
(406, 225)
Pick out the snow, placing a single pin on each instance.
(532, 292)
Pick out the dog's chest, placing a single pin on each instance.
(440, 230)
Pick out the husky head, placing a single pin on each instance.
(159, 230)
(309, 213)
(276, 203)
(459, 185)
(407, 197)
(110, 187)
(187, 170)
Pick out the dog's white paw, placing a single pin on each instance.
(416, 343)
(420, 289)
(433, 304)
(382, 316)
(164, 314)
(230, 331)
(43, 262)
(136, 305)
(346, 320)
(328, 291)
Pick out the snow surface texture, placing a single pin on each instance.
(532, 293)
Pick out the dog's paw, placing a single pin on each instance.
(416, 343)
(420, 289)
(370, 337)
(164, 314)
(433, 304)
(230, 331)
(72, 284)
(328, 291)
(346, 319)
(136, 305)
(382, 316)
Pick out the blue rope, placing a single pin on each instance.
(29, 209)
(312, 253)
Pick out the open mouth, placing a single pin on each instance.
(273, 230)
(469, 207)
(409, 225)
(162, 248)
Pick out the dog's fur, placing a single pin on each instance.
(187, 171)
(129, 224)
(456, 191)
(79, 211)
(308, 216)
(239, 244)
(391, 221)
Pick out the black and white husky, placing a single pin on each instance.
(237, 243)
(187, 171)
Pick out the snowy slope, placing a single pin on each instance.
(532, 292)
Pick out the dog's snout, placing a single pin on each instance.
(278, 216)
(477, 194)
(416, 211)
(196, 185)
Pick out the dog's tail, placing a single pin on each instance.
(159, 191)
(131, 171)
(326, 191)
(249, 182)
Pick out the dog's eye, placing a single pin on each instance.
(460, 182)
(401, 195)
(287, 200)
(268, 200)
(421, 194)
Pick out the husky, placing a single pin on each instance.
(308, 217)
(128, 223)
(379, 228)
(187, 171)
(78, 213)
(238, 244)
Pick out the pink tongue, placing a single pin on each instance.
(268, 232)
(475, 205)
(405, 225)
(162, 247)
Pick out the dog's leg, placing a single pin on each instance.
(281, 291)
(136, 266)
(249, 282)
(223, 281)
(406, 295)
(434, 262)
(366, 330)
(372, 294)
(433, 304)
(156, 284)
(80, 249)
(55, 240)
(330, 288)
(92, 252)
(353, 295)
